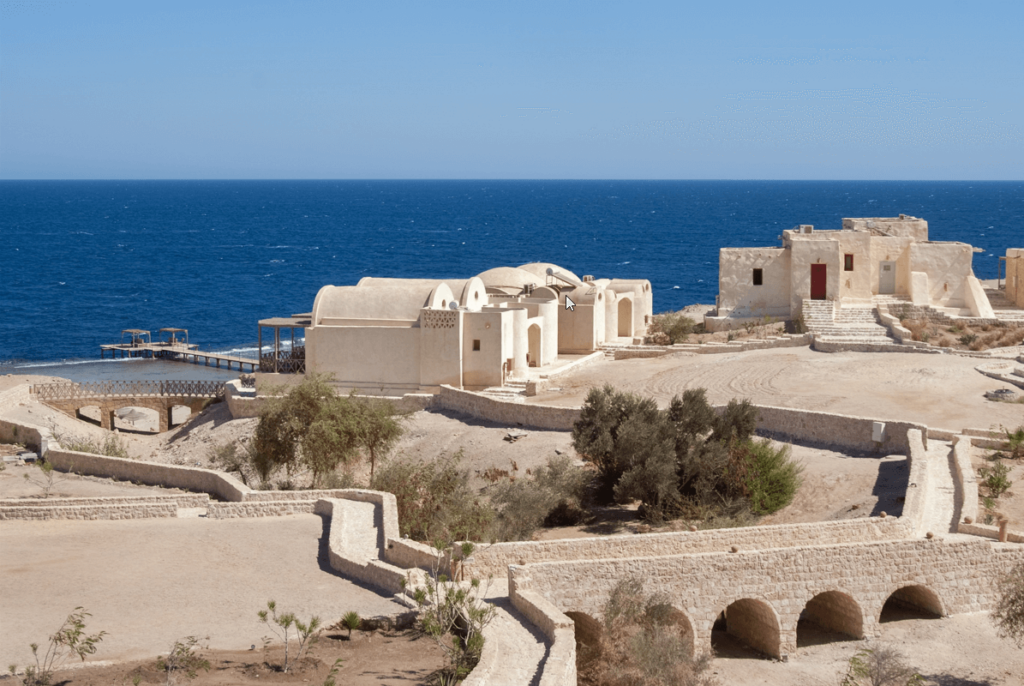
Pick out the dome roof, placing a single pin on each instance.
(510, 277)
(541, 270)
(397, 302)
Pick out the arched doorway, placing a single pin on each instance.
(829, 617)
(747, 628)
(533, 345)
(912, 602)
(625, 317)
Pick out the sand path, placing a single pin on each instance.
(942, 391)
(151, 581)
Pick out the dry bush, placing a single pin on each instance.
(945, 342)
(1008, 614)
(883, 665)
(917, 328)
(641, 645)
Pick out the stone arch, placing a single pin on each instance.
(533, 336)
(834, 612)
(89, 413)
(679, 618)
(625, 317)
(755, 623)
(912, 602)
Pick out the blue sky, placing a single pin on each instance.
(611, 90)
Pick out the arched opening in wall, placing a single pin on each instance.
(533, 345)
(912, 602)
(678, 619)
(138, 419)
(829, 617)
(89, 413)
(179, 415)
(588, 635)
(625, 317)
(748, 628)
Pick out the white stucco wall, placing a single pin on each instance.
(366, 357)
(738, 295)
(948, 265)
(1015, 276)
(482, 368)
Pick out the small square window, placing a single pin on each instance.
(758, 277)
(476, 344)
(848, 263)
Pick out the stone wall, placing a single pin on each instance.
(777, 584)
(965, 481)
(914, 507)
(209, 481)
(483, 407)
(494, 560)
(266, 508)
(33, 437)
(825, 428)
(60, 509)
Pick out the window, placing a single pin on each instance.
(476, 344)
(848, 263)
(758, 277)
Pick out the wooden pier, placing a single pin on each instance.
(140, 345)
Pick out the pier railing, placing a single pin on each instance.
(108, 389)
(287, 362)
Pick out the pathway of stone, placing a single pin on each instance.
(522, 647)
(941, 512)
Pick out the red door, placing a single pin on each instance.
(818, 280)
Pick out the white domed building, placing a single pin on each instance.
(395, 336)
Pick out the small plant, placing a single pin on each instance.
(47, 479)
(71, 640)
(351, 621)
(673, 325)
(330, 681)
(183, 660)
(881, 666)
(1015, 442)
(968, 338)
(284, 626)
(454, 615)
(995, 480)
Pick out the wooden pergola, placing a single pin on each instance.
(175, 338)
(139, 337)
(292, 361)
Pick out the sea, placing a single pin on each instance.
(83, 260)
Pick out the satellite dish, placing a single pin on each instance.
(453, 305)
(549, 271)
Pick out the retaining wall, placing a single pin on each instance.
(560, 664)
(172, 476)
(61, 510)
(483, 407)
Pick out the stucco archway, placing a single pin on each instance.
(533, 336)
(754, 623)
(827, 614)
(625, 317)
(912, 602)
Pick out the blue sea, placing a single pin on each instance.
(83, 260)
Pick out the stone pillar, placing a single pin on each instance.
(1003, 523)
(165, 419)
(107, 419)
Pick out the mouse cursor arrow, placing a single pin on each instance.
(569, 304)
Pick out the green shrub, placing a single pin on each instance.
(69, 641)
(618, 431)
(183, 659)
(351, 621)
(995, 480)
(435, 502)
(288, 627)
(771, 477)
(968, 338)
(554, 495)
(673, 324)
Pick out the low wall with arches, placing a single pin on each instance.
(763, 592)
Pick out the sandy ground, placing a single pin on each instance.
(942, 391)
(150, 581)
(370, 659)
(962, 650)
(13, 484)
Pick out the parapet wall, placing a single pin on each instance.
(483, 407)
(494, 560)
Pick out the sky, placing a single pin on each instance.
(511, 90)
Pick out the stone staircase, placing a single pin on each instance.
(514, 391)
(1003, 308)
(845, 328)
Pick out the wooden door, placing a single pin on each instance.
(819, 278)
